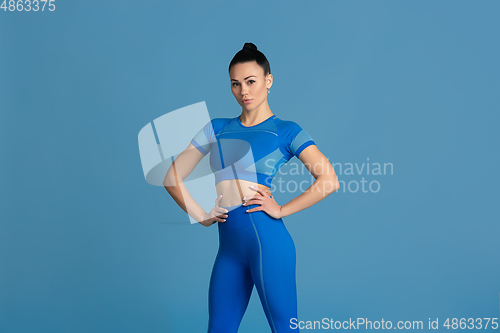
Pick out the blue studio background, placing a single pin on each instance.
(87, 245)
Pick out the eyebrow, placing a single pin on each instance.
(244, 78)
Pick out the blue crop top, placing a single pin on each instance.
(253, 153)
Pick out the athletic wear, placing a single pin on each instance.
(253, 153)
(254, 248)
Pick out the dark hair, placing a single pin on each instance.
(248, 53)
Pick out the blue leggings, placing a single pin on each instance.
(254, 248)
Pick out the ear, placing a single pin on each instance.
(269, 79)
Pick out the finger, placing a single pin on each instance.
(254, 209)
(221, 210)
(258, 190)
(216, 216)
(254, 202)
(219, 198)
(248, 198)
(221, 216)
(255, 199)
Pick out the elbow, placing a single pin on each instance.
(168, 188)
(167, 181)
(171, 182)
(173, 178)
(172, 188)
(170, 179)
(334, 184)
(330, 185)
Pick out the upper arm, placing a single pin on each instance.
(183, 165)
(186, 161)
(316, 162)
(300, 144)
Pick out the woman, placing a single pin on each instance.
(255, 247)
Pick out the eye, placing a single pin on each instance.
(234, 83)
(251, 81)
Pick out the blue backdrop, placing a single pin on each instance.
(85, 242)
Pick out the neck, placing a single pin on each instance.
(255, 116)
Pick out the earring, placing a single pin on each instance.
(268, 91)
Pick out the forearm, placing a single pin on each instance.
(174, 184)
(183, 198)
(320, 189)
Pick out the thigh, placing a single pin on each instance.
(230, 289)
(273, 268)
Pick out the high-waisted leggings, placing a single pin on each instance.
(254, 249)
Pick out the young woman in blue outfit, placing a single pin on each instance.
(255, 248)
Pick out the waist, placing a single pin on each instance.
(248, 175)
(234, 190)
(238, 218)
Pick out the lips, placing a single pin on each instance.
(247, 100)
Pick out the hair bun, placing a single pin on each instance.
(249, 46)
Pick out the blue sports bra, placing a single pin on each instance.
(253, 153)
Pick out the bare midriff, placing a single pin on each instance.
(234, 190)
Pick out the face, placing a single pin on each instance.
(248, 82)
